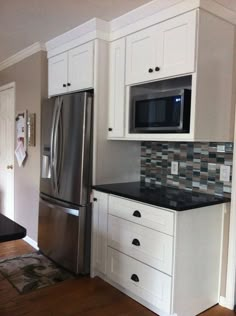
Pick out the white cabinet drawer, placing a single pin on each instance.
(142, 280)
(142, 214)
(146, 245)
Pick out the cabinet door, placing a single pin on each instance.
(141, 56)
(57, 74)
(117, 88)
(80, 73)
(176, 45)
(99, 232)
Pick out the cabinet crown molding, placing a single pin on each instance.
(142, 17)
(24, 53)
(88, 31)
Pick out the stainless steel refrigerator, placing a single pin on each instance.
(65, 184)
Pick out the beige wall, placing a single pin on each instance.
(30, 76)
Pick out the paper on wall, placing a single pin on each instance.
(20, 153)
(20, 127)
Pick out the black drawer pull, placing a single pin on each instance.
(137, 214)
(136, 242)
(150, 70)
(110, 129)
(134, 278)
(64, 85)
(95, 199)
(157, 68)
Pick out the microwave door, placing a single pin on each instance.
(158, 113)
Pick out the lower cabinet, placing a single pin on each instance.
(168, 261)
(147, 245)
(142, 280)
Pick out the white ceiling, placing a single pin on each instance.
(24, 22)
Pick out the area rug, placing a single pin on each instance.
(32, 271)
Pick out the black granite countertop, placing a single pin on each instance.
(167, 197)
(9, 230)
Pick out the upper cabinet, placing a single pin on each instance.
(195, 45)
(164, 50)
(57, 74)
(116, 88)
(72, 70)
(80, 67)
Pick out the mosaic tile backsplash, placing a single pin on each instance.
(199, 165)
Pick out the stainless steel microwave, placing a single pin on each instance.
(162, 112)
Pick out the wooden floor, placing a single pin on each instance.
(83, 296)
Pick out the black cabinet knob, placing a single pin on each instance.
(68, 84)
(109, 129)
(157, 69)
(150, 70)
(134, 278)
(95, 199)
(136, 242)
(136, 213)
(64, 85)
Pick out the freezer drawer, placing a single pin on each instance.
(63, 235)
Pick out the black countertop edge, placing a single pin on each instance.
(10, 230)
(166, 197)
(11, 237)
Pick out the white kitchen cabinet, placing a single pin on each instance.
(211, 84)
(142, 214)
(141, 56)
(116, 89)
(156, 255)
(99, 232)
(142, 280)
(80, 67)
(57, 74)
(138, 242)
(164, 50)
(71, 71)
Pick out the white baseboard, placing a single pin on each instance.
(32, 242)
(226, 303)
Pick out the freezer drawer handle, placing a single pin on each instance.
(136, 242)
(67, 210)
(137, 214)
(134, 278)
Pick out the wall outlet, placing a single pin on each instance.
(174, 167)
(220, 148)
(224, 173)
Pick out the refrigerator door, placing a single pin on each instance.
(67, 148)
(63, 235)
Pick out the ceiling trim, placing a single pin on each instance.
(132, 21)
(141, 12)
(219, 10)
(21, 55)
(120, 29)
(93, 26)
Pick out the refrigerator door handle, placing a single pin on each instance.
(55, 146)
(52, 145)
(59, 150)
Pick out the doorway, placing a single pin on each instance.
(7, 132)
